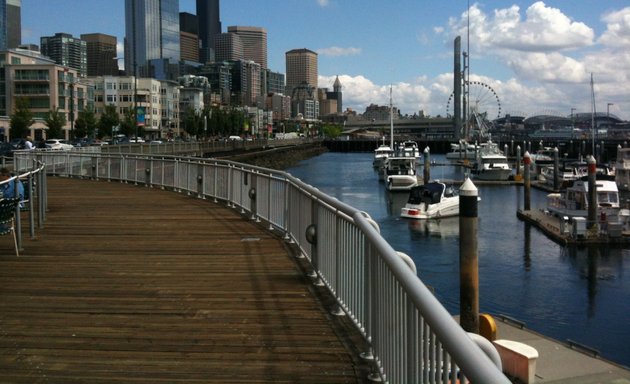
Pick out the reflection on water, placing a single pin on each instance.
(566, 293)
(445, 227)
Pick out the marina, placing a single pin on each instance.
(566, 293)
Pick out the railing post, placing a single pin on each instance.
(200, 181)
(253, 197)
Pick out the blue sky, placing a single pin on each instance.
(536, 56)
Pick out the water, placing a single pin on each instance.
(565, 293)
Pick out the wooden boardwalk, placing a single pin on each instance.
(127, 284)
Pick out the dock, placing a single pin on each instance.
(133, 284)
(553, 227)
(127, 283)
(563, 363)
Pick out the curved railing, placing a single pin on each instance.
(412, 337)
(31, 174)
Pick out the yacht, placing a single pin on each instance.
(622, 169)
(573, 202)
(462, 151)
(381, 154)
(399, 173)
(491, 163)
(431, 201)
(409, 148)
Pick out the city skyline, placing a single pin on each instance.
(537, 56)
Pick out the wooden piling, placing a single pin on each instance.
(468, 258)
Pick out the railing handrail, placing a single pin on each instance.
(359, 267)
(34, 172)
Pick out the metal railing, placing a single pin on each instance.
(412, 337)
(35, 200)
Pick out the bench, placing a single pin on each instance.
(518, 359)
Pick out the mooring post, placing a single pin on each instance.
(592, 192)
(527, 160)
(518, 159)
(426, 173)
(556, 169)
(468, 258)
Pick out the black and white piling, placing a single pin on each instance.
(468, 258)
(518, 159)
(592, 192)
(527, 183)
(426, 173)
(556, 169)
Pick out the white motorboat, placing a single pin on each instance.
(409, 148)
(622, 169)
(431, 201)
(400, 173)
(462, 151)
(491, 163)
(573, 202)
(381, 154)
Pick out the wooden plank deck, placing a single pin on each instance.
(127, 284)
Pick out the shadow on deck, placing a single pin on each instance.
(132, 284)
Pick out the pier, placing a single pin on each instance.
(133, 284)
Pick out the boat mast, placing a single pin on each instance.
(391, 119)
(592, 116)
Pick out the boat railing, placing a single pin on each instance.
(411, 336)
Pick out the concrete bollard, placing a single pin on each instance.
(468, 258)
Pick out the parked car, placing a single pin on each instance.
(58, 144)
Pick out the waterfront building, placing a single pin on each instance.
(152, 38)
(10, 32)
(101, 54)
(301, 69)
(274, 82)
(209, 26)
(279, 105)
(189, 36)
(228, 47)
(66, 50)
(158, 98)
(254, 42)
(220, 78)
(45, 85)
(245, 82)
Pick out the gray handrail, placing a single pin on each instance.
(33, 172)
(412, 337)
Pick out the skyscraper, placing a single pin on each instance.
(189, 36)
(151, 34)
(301, 68)
(66, 50)
(228, 46)
(254, 41)
(101, 54)
(10, 32)
(209, 27)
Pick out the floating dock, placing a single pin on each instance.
(560, 232)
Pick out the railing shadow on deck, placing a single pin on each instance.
(412, 337)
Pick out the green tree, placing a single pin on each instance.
(22, 119)
(193, 121)
(331, 130)
(85, 125)
(55, 121)
(128, 124)
(109, 119)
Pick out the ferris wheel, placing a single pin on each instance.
(483, 101)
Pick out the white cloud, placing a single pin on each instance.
(323, 3)
(339, 51)
(618, 31)
(543, 29)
